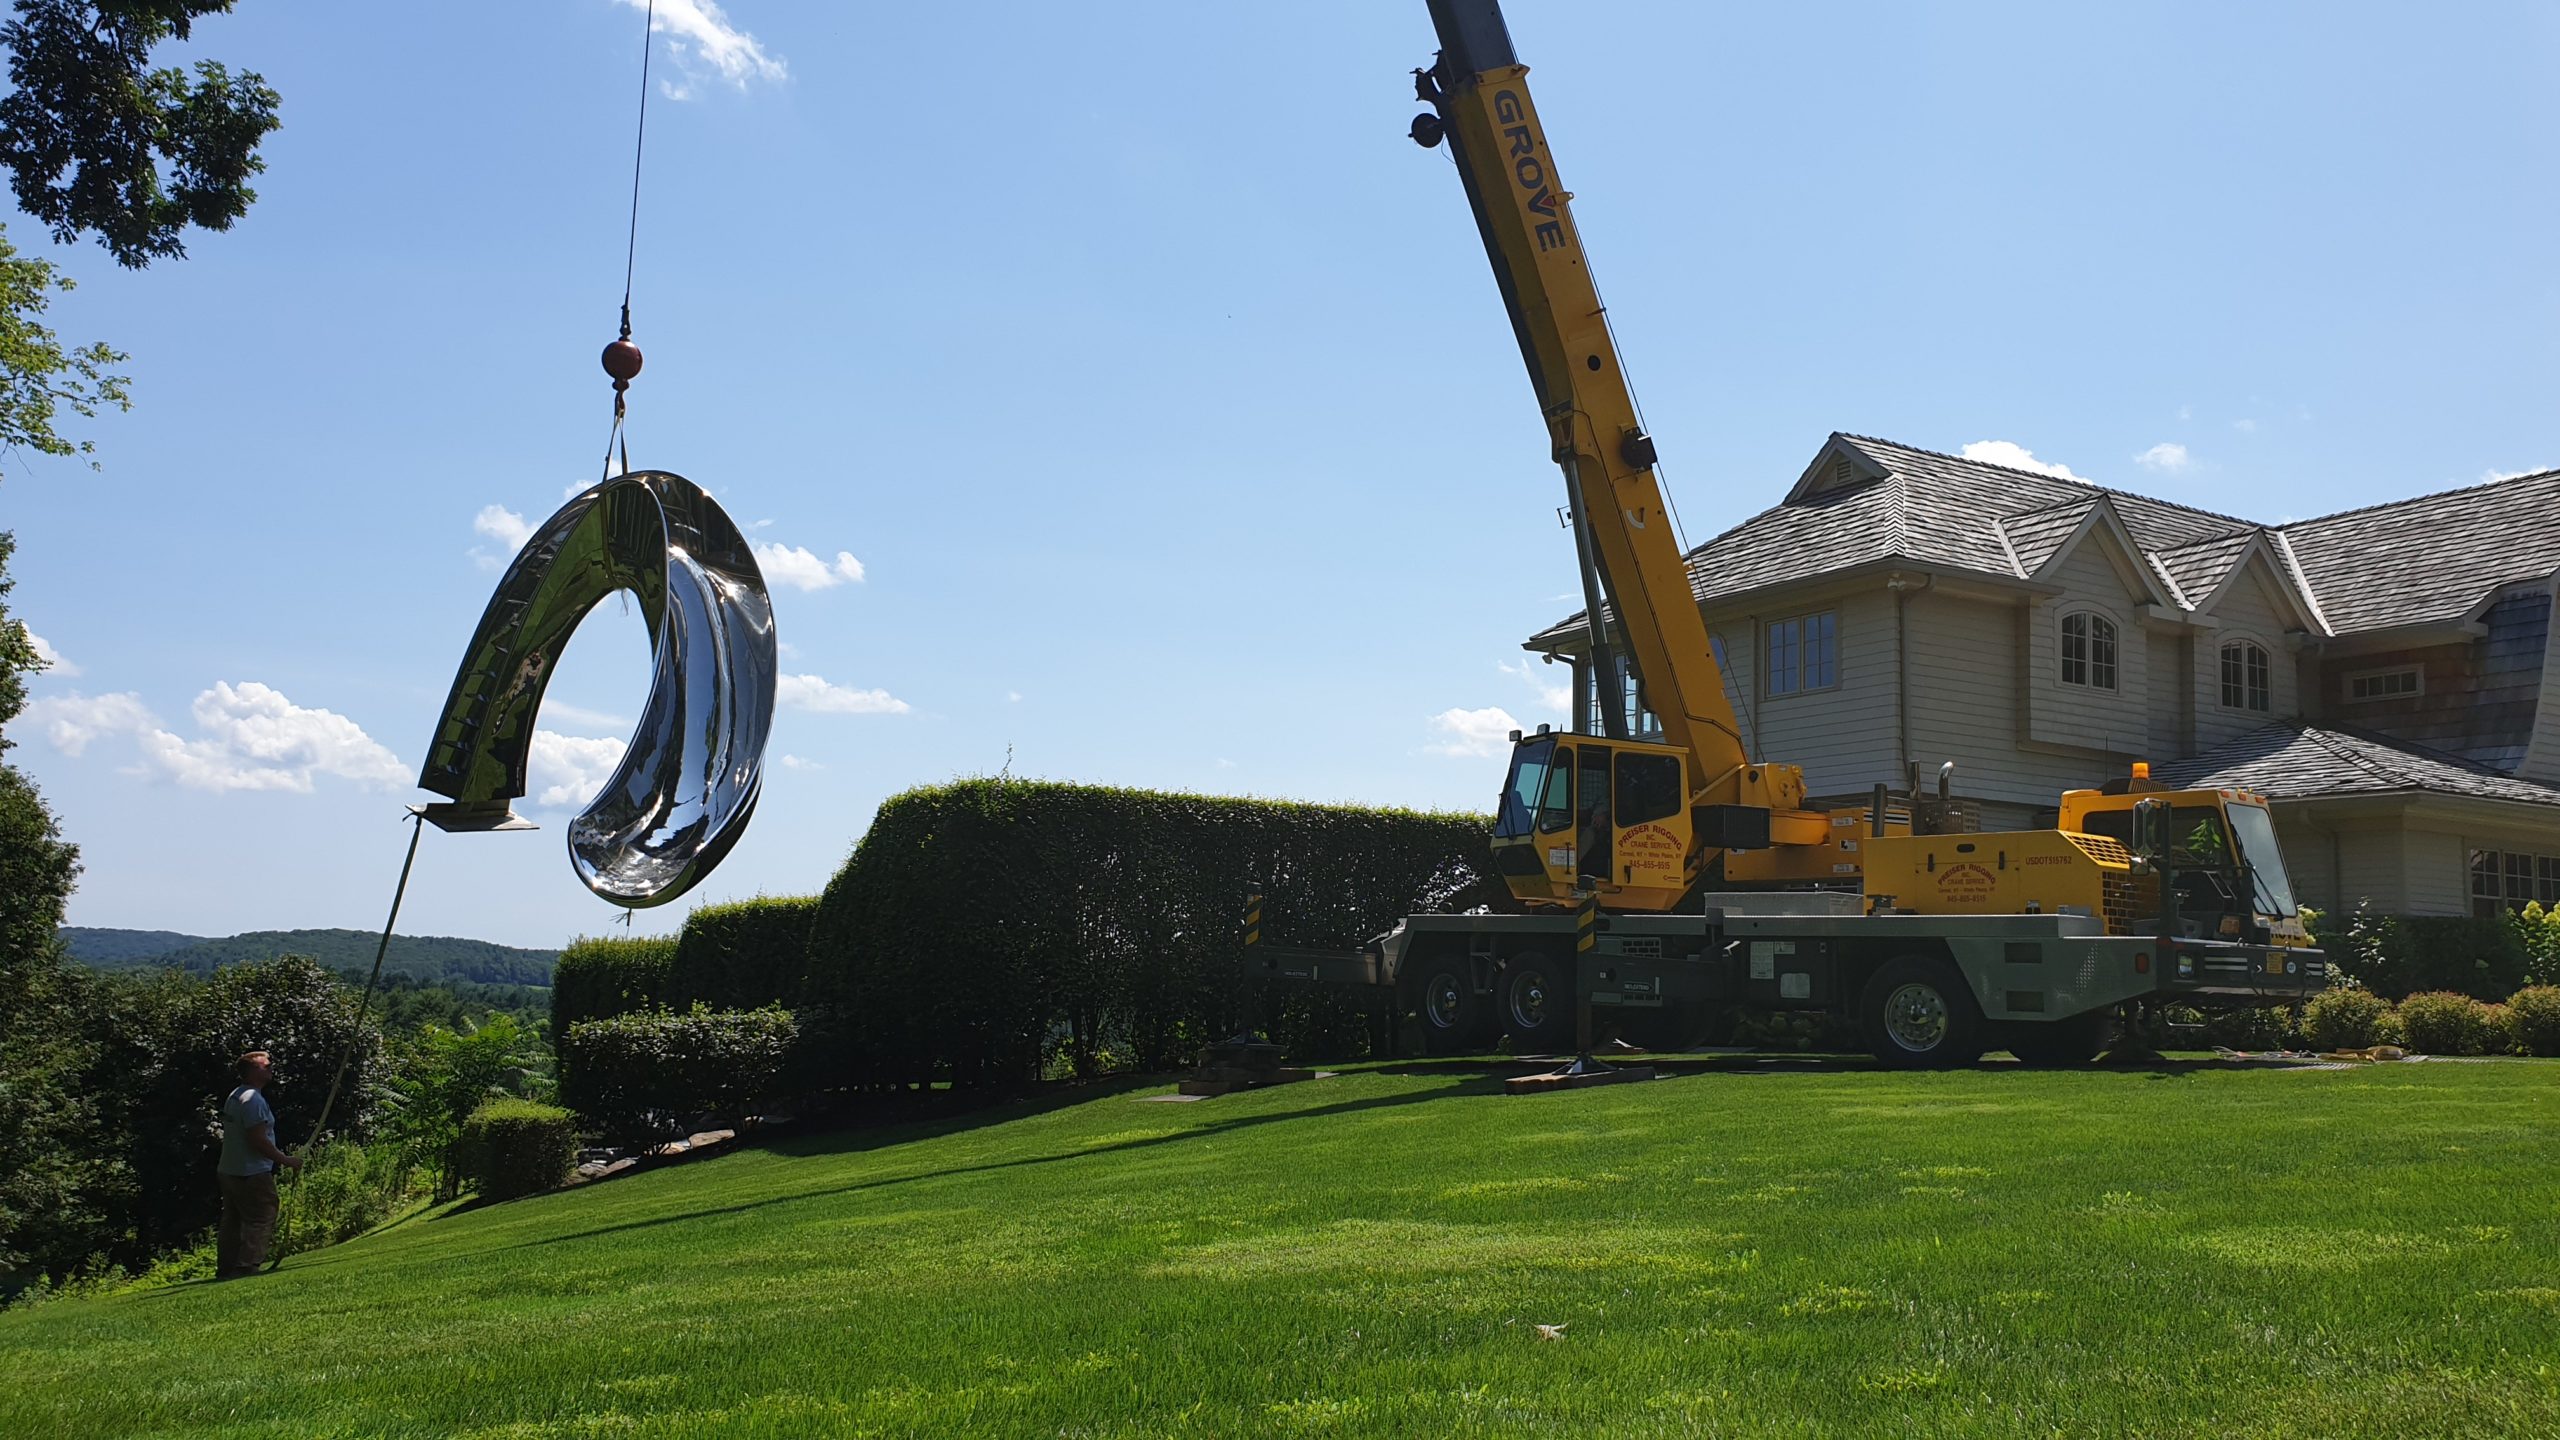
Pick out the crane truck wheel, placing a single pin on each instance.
(1917, 1014)
(1537, 1005)
(2075, 1041)
(1455, 1019)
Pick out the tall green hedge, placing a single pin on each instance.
(982, 927)
(742, 955)
(599, 977)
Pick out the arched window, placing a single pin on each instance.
(2246, 672)
(2089, 650)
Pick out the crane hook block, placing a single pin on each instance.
(1427, 130)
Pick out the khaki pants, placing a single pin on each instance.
(248, 1223)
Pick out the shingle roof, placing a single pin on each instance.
(2432, 558)
(2036, 534)
(2290, 760)
(2436, 557)
(1928, 509)
(2197, 568)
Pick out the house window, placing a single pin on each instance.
(2384, 684)
(2089, 651)
(1642, 723)
(2508, 880)
(2245, 674)
(1804, 653)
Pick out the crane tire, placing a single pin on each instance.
(1917, 1014)
(1537, 1005)
(1455, 1019)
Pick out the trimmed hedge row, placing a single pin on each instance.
(984, 928)
(742, 955)
(517, 1147)
(640, 1074)
(599, 977)
(2439, 1022)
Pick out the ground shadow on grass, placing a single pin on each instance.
(1482, 1083)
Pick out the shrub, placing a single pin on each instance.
(2399, 955)
(518, 1147)
(346, 1190)
(978, 920)
(599, 977)
(2445, 1022)
(2249, 1028)
(2498, 1030)
(2535, 1011)
(740, 956)
(640, 1074)
(2346, 1017)
(2538, 932)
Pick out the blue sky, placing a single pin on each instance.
(1156, 386)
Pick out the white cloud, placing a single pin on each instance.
(55, 662)
(565, 713)
(2018, 457)
(1013, 697)
(703, 42)
(790, 565)
(1482, 734)
(794, 762)
(2168, 455)
(811, 692)
(71, 721)
(250, 737)
(2186, 412)
(568, 770)
(502, 525)
(2487, 477)
(2245, 427)
(1554, 683)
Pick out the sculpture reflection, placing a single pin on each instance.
(688, 782)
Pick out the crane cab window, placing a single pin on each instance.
(1648, 788)
(1592, 840)
(1540, 795)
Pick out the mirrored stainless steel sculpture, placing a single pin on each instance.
(688, 782)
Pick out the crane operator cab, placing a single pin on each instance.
(1580, 813)
(2215, 850)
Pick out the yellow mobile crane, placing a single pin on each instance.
(1953, 943)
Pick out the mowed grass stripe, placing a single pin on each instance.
(1836, 1252)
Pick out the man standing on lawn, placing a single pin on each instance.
(247, 1171)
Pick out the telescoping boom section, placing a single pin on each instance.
(1696, 793)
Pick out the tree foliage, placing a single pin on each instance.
(97, 140)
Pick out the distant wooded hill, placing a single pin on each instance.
(429, 959)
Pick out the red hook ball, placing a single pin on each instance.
(622, 361)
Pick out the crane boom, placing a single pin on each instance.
(1480, 92)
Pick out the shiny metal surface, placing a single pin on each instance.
(688, 782)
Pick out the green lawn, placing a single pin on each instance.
(1825, 1251)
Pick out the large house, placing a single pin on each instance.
(2388, 677)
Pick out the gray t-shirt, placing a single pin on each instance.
(244, 1110)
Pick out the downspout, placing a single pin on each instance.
(1902, 585)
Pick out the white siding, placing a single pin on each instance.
(2248, 611)
(2113, 720)
(1844, 737)
(2339, 865)
(1965, 705)
(2438, 867)
(2168, 663)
